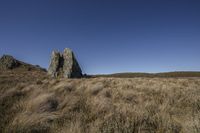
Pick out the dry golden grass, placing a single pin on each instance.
(36, 103)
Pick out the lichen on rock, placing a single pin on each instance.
(64, 65)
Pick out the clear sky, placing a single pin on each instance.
(107, 36)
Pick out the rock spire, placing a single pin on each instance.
(64, 65)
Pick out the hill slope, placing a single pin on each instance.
(153, 75)
(30, 101)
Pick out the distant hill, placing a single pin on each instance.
(151, 75)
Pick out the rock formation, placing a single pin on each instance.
(8, 62)
(55, 64)
(64, 65)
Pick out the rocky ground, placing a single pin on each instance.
(31, 101)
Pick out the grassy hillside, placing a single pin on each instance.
(32, 102)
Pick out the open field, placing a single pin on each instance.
(30, 101)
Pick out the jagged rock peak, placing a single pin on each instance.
(54, 65)
(8, 62)
(64, 65)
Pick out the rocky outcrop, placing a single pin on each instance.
(55, 64)
(64, 65)
(8, 62)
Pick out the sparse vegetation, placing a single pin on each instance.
(31, 102)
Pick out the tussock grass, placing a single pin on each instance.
(32, 102)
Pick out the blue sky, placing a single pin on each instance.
(107, 36)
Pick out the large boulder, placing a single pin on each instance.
(8, 62)
(71, 67)
(55, 64)
(64, 65)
